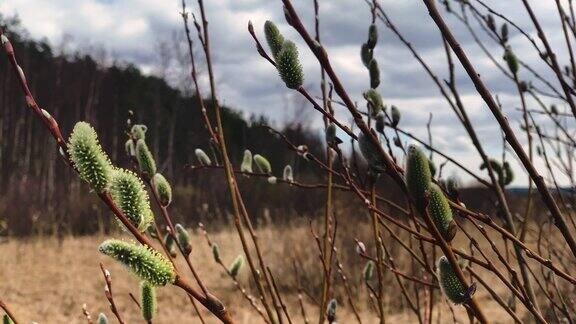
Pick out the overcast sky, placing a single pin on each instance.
(130, 30)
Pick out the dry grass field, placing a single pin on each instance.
(48, 280)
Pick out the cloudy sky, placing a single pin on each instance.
(131, 31)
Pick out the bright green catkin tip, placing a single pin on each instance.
(274, 38)
(368, 271)
(450, 285)
(374, 74)
(262, 164)
(366, 54)
(246, 162)
(202, 157)
(129, 194)
(374, 100)
(289, 66)
(145, 263)
(88, 157)
(129, 147)
(102, 319)
(216, 253)
(370, 153)
(139, 132)
(145, 160)
(236, 266)
(6, 319)
(183, 239)
(331, 310)
(440, 212)
(287, 174)
(395, 112)
(372, 36)
(162, 189)
(418, 176)
(148, 295)
(511, 60)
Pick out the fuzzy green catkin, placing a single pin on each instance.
(216, 253)
(288, 65)
(129, 194)
(366, 54)
(441, 213)
(508, 173)
(368, 271)
(148, 298)
(129, 147)
(331, 310)
(88, 157)
(6, 319)
(418, 176)
(274, 38)
(145, 263)
(511, 60)
(372, 36)
(375, 102)
(202, 157)
(145, 160)
(246, 162)
(374, 74)
(262, 164)
(395, 112)
(183, 239)
(162, 189)
(102, 319)
(236, 266)
(288, 175)
(450, 285)
(496, 167)
(370, 153)
(139, 132)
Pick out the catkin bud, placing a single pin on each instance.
(130, 148)
(6, 319)
(148, 298)
(287, 174)
(368, 270)
(3, 39)
(289, 66)
(146, 263)
(274, 38)
(88, 157)
(331, 310)
(508, 173)
(491, 23)
(139, 132)
(380, 123)
(366, 54)
(418, 176)
(183, 239)
(170, 246)
(262, 164)
(330, 135)
(374, 74)
(236, 266)
(145, 160)
(395, 116)
(511, 60)
(272, 180)
(370, 153)
(504, 33)
(440, 212)
(496, 167)
(372, 36)
(130, 196)
(162, 189)
(216, 253)
(450, 285)
(202, 157)
(102, 319)
(374, 100)
(246, 162)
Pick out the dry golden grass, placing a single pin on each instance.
(47, 280)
